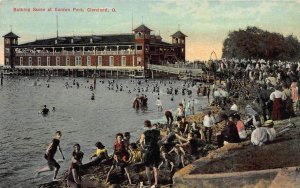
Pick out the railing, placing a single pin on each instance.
(67, 52)
(88, 52)
(174, 70)
(120, 52)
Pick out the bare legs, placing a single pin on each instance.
(155, 172)
(113, 167)
(46, 169)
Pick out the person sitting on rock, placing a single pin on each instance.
(74, 178)
(240, 126)
(262, 135)
(190, 146)
(135, 154)
(99, 156)
(229, 134)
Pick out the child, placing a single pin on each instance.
(135, 154)
(166, 163)
(120, 156)
(99, 155)
(74, 178)
(179, 156)
(49, 156)
(126, 139)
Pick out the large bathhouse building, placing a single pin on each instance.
(86, 54)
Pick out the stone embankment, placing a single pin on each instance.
(245, 165)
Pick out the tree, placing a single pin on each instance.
(256, 43)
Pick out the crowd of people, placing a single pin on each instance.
(270, 87)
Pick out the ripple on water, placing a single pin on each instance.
(25, 133)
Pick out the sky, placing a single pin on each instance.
(206, 23)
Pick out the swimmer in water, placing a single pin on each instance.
(45, 110)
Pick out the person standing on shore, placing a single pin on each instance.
(49, 156)
(149, 142)
(208, 122)
(277, 97)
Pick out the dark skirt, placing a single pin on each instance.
(277, 109)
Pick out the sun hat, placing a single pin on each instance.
(268, 123)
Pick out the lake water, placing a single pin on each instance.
(25, 133)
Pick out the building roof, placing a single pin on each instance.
(142, 28)
(91, 40)
(178, 34)
(11, 35)
(158, 37)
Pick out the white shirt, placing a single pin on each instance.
(234, 107)
(259, 136)
(277, 94)
(208, 121)
(223, 93)
(180, 112)
(158, 102)
(216, 93)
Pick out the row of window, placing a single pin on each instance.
(78, 61)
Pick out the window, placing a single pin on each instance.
(123, 61)
(91, 40)
(72, 41)
(30, 61)
(99, 60)
(139, 35)
(139, 47)
(78, 60)
(111, 60)
(7, 41)
(139, 59)
(7, 61)
(57, 61)
(48, 61)
(21, 61)
(6, 50)
(39, 61)
(88, 60)
(67, 61)
(55, 41)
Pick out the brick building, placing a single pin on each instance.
(115, 50)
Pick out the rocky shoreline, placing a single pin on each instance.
(214, 157)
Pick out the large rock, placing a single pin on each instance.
(287, 178)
